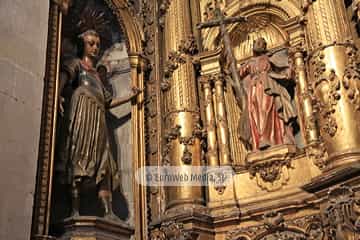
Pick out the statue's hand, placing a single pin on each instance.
(61, 106)
(136, 91)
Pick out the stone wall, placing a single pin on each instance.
(23, 28)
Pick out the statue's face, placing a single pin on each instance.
(91, 46)
(259, 45)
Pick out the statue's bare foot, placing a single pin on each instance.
(112, 217)
(75, 214)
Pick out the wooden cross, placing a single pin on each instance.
(221, 21)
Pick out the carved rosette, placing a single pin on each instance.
(271, 167)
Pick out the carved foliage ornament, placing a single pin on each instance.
(157, 235)
(170, 135)
(164, 6)
(314, 229)
(341, 215)
(186, 48)
(150, 103)
(271, 167)
(331, 84)
(339, 220)
(174, 134)
(318, 154)
(351, 79)
(155, 202)
(209, 9)
(269, 171)
(285, 235)
(172, 231)
(147, 13)
(274, 227)
(147, 10)
(327, 107)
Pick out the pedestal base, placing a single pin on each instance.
(43, 237)
(271, 166)
(187, 222)
(95, 228)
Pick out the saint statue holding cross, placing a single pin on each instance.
(260, 87)
(270, 112)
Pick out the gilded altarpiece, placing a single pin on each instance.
(284, 192)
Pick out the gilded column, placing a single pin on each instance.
(221, 122)
(305, 100)
(212, 147)
(334, 80)
(181, 105)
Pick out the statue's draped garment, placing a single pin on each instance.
(85, 150)
(266, 121)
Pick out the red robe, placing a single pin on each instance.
(269, 108)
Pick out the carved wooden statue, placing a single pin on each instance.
(269, 112)
(83, 150)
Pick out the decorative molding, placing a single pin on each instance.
(40, 222)
(170, 115)
(328, 22)
(273, 220)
